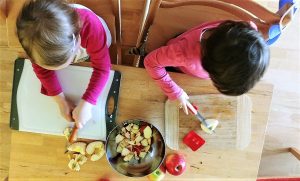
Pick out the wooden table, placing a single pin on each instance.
(41, 157)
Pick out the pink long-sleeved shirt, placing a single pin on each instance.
(183, 52)
(93, 38)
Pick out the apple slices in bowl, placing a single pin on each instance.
(133, 141)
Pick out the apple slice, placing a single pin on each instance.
(131, 142)
(119, 138)
(211, 126)
(138, 139)
(78, 147)
(146, 149)
(128, 157)
(149, 141)
(81, 159)
(119, 148)
(142, 154)
(125, 152)
(147, 132)
(144, 142)
(129, 127)
(73, 165)
(136, 127)
(127, 135)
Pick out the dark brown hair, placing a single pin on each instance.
(236, 56)
(46, 30)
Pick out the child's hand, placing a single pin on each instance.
(183, 102)
(65, 106)
(82, 113)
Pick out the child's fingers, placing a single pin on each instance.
(68, 117)
(185, 109)
(78, 125)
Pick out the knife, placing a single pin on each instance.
(194, 110)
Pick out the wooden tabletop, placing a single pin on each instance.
(41, 157)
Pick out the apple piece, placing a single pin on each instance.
(138, 139)
(132, 136)
(123, 130)
(125, 152)
(128, 127)
(81, 159)
(147, 148)
(78, 147)
(127, 135)
(70, 155)
(119, 138)
(135, 131)
(147, 132)
(128, 157)
(67, 132)
(142, 154)
(144, 142)
(124, 143)
(119, 148)
(97, 154)
(158, 174)
(175, 164)
(96, 150)
(211, 126)
(73, 165)
(149, 141)
(95, 146)
(136, 127)
(131, 142)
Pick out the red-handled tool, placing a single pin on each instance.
(194, 110)
(74, 132)
(73, 135)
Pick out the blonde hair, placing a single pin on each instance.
(47, 30)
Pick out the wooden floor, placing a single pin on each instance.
(284, 123)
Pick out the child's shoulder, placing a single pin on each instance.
(86, 15)
(193, 34)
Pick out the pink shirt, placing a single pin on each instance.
(183, 52)
(93, 38)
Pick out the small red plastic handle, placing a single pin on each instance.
(196, 107)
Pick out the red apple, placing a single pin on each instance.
(175, 164)
(158, 174)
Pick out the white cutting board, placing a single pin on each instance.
(40, 114)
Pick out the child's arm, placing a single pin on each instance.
(49, 81)
(94, 37)
(172, 55)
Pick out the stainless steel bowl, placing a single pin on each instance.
(136, 168)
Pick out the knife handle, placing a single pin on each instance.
(73, 135)
(194, 106)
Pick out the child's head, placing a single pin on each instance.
(236, 56)
(49, 30)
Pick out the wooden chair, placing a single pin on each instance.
(109, 10)
(168, 18)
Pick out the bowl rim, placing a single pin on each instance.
(123, 124)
